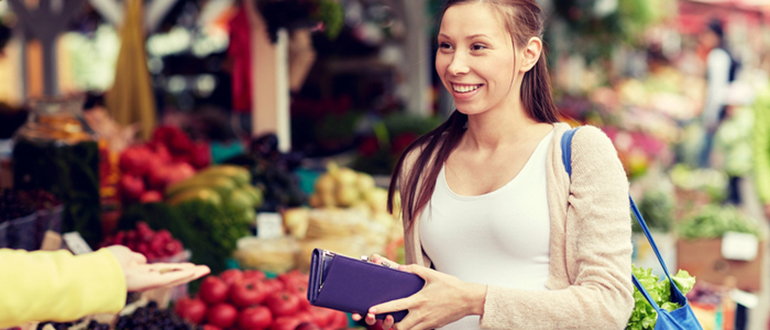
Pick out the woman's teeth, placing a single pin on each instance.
(465, 88)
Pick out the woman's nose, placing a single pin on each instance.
(459, 65)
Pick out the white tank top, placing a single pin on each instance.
(499, 238)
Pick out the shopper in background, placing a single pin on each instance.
(721, 70)
(492, 222)
(57, 286)
(5, 36)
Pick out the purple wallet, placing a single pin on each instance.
(352, 285)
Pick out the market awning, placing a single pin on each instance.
(693, 15)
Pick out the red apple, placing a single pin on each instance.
(151, 196)
(131, 187)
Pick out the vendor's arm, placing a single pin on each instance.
(598, 234)
(57, 286)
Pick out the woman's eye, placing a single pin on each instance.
(445, 45)
(478, 47)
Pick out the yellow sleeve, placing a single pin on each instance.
(57, 286)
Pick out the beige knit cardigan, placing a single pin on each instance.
(590, 245)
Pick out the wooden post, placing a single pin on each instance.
(418, 61)
(270, 77)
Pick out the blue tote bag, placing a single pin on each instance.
(681, 318)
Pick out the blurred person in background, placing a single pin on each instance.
(721, 70)
(5, 37)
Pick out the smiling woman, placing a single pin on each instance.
(501, 235)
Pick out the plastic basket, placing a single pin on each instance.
(22, 235)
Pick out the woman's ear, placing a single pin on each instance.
(531, 53)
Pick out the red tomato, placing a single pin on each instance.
(253, 273)
(231, 276)
(273, 285)
(210, 327)
(339, 320)
(258, 317)
(190, 309)
(213, 290)
(247, 293)
(222, 315)
(284, 323)
(308, 326)
(282, 303)
(321, 316)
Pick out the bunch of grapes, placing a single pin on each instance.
(152, 317)
(12, 206)
(92, 325)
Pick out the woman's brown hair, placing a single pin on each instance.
(523, 21)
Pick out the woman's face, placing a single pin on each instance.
(475, 58)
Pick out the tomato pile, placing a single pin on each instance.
(155, 246)
(247, 300)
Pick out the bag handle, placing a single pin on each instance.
(566, 156)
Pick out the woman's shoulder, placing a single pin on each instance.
(589, 136)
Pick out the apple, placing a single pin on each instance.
(134, 160)
(131, 187)
(151, 196)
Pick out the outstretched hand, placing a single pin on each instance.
(443, 300)
(141, 276)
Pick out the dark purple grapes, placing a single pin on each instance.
(150, 317)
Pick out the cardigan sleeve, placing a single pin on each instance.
(597, 250)
(57, 286)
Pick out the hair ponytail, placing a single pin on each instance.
(440, 141)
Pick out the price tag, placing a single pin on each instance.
(739, 246)
(269, 225)
(76, 243)
(51, 241)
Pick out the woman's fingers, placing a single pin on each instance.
(388, 322)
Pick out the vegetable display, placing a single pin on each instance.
(714, 221)
(643, 316)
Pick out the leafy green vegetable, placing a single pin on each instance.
(714, 221)
(644, 316)
(656, 208)
(208, 231)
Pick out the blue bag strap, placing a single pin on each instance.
(566, 149)
(566, 156)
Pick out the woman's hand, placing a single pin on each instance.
(380, 260)
(443, 300)
(142, 276)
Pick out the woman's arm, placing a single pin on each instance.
(598, 252)
(57, 286)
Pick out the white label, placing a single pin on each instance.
(748, 300)
(269, 225)
(739, 246)
(76, 244)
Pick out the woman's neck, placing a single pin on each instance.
(499, 127)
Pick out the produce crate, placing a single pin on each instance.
(703, 259)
